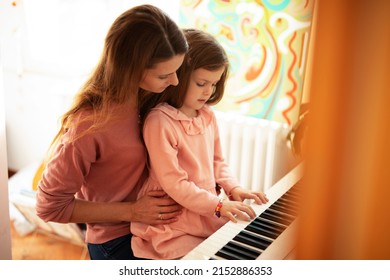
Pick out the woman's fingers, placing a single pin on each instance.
(161, 198)
(166, 218)
(157, 193)
(174, 209)
(156, 208)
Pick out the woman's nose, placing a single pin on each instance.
(174, 80)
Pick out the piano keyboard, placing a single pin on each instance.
(269, 236)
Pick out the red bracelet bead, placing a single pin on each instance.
(218, 209)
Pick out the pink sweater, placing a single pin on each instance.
(105, 166)
(186, 162)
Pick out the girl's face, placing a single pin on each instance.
(201, 86)
(162, 75)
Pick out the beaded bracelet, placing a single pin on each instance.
(218, 209)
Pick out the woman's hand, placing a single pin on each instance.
(240, 194)
(155, 208)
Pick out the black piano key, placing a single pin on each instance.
(261, 222)
(290, 203)
(262, 231)
(289, 207)
(280, 208)
(271, 216)
(252, 240)
(281, 215)
(278, 217)
(232, 251)
(226, 254)
(294, 195)
(246, 252)
(291, 197)
(294, 192)
(285, 208)
(287, 203)
(279, 228)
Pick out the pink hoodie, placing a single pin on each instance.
(186, 162)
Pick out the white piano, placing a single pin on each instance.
(270, 236)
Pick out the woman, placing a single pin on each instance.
(97, 160)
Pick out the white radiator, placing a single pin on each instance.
(256, 149)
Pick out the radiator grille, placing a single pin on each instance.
(256, 149)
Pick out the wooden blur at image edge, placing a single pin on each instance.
(345, 207)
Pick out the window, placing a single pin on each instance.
(65, 37)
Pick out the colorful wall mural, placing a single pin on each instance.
(267, 44)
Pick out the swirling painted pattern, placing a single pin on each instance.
(261, 38)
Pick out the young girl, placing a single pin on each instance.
(98, 160)
(181, 136)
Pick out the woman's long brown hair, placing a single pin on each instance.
(138, 38)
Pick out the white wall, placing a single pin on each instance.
(5, 236)
(34, 104)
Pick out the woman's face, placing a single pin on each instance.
(162, 75)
